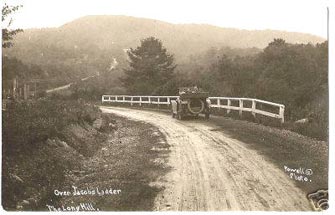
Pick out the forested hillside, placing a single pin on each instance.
(89, 44)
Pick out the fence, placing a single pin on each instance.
(255, 106)
(21, 89)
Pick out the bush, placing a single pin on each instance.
(30, 123)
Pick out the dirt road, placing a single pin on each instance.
(211, 171)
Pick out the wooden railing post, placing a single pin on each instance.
(241, 107)
(253, 108)
(15, 86)
(25, 91)
(168, 101)
(228, 104)
(131, 101)
(140, 101)
(218, 103)
(158, 101)
(281, 113)
(28, 90)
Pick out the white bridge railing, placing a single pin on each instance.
(255, 106)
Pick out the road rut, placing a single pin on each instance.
(211, 171)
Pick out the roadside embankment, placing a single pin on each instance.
(56, 146)
(42, 141)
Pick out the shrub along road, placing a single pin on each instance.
(215, 169)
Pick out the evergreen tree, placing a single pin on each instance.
(150, 68)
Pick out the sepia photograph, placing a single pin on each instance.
(156, 105)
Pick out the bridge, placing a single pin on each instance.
(254, 106)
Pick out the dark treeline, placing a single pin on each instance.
(292, 74)
(295, 75)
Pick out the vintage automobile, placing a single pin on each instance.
(192, 101)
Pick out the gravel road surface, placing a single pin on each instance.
(211, 171)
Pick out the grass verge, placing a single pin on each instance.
(37, 151)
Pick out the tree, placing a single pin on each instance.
(151, 67)
(7, 33)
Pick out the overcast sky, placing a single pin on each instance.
(289, 15)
